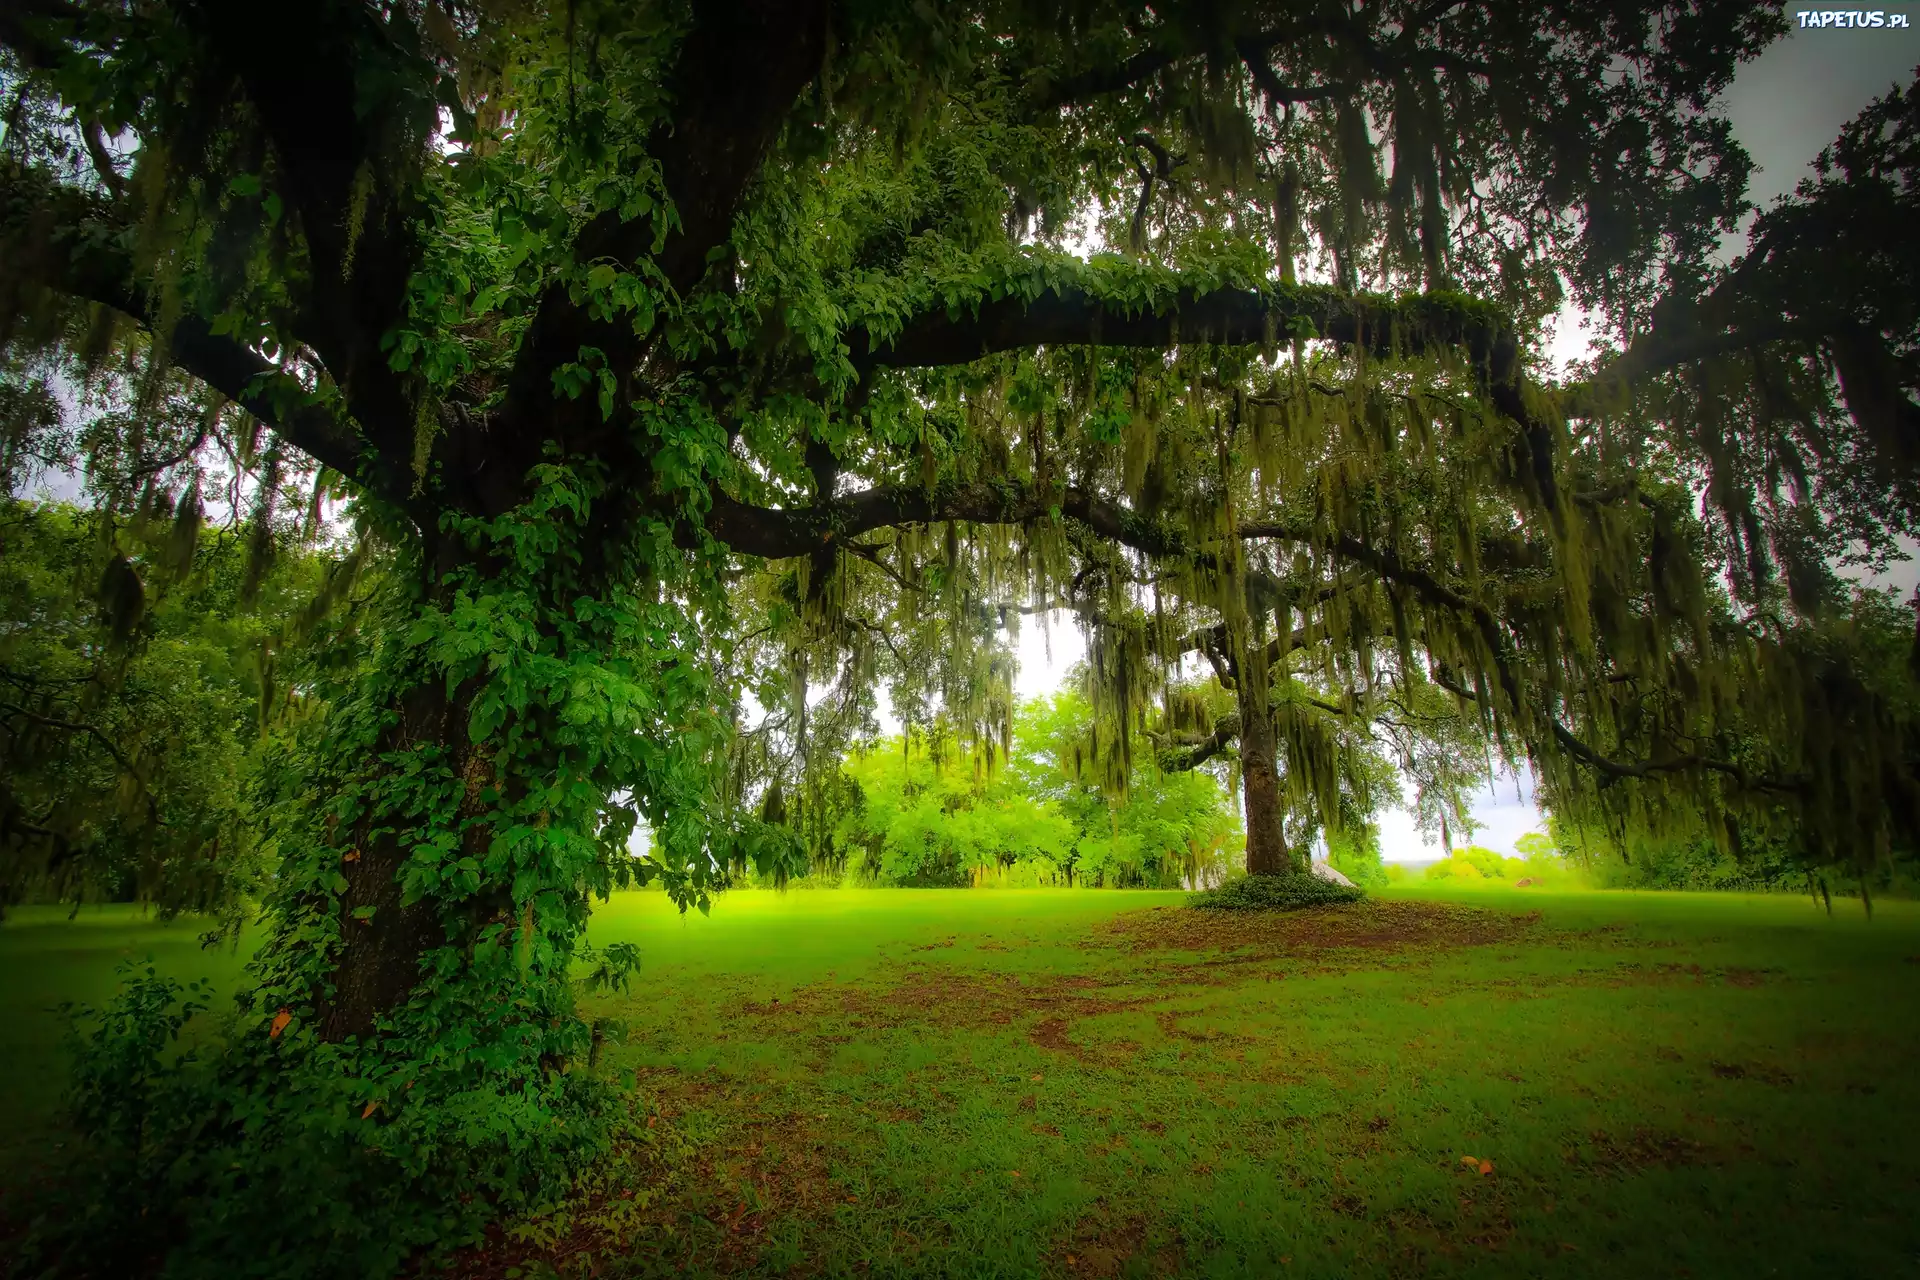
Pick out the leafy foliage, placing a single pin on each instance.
(927, 822)
(142, 660)
(182, 1146)
(1473, 864)
(923, 812)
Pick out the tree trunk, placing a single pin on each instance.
(447, 828)
(1267, 852)
(383, 937)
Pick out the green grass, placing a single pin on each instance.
(1079, 1084)
(49, 956)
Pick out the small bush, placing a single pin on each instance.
(1284, 892)
(265, 1152)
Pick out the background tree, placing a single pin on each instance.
(153, 637)
(1161, 828)
(130, 726)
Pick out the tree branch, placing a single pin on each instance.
(1226, 731)
(107, 744)
(349, 141)
(26, 27)
(69, 242)
(1072, 316)
(738, 72)
(777, 533)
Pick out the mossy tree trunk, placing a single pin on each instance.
(1267, 849)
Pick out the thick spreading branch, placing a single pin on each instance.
(29, 28)
(1381, 326)
(777, 533)
(107, 744)
(349, 143)
(1226, 732)
(723, 119)
(1072, 316)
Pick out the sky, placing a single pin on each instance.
(1784, 107)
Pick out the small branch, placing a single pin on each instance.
(884, 636)
(872, 556)
(1226, 731)
(103, 159)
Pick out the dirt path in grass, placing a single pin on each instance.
(1369, 925)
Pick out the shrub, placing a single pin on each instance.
(1283, 892)
(264, 1153)
(1694, 864)
(1454, 868)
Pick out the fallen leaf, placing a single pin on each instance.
(853, 1199)
(1036, 1079)
(280, 1021)
(1013, 1173)
(1486, 1167)
(1472, 1162)
(351, 855)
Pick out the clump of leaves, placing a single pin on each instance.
(1286, 891)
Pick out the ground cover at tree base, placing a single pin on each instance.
(1007, 1084)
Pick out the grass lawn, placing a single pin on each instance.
(49, 956)
(1100, 1084)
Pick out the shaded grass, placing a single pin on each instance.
(1106, 1084)
(52, 955)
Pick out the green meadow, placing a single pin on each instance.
(1035, 1083)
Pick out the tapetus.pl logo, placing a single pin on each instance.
(1825, 19)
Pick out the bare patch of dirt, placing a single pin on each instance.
(1170, 1027)
(1371, 925)
(1732, 975)
(1347, 1206)
(931, 995)
(1636, 974)
(1099, 1248)
(1054, 1034)
(1637, 1149)
(1748, 1071)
